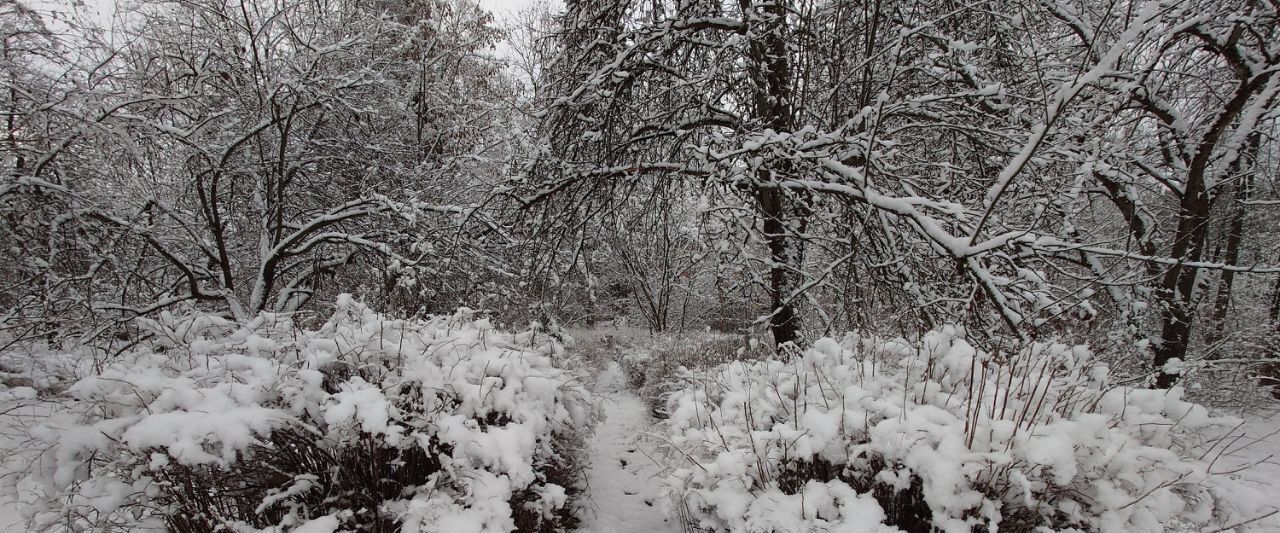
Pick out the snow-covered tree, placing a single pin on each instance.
(247, 155)
(960, 146)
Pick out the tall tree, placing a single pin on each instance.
(940, 134)
(242, 155)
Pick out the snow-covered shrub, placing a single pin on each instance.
(635, 364)
(655, 373)
(365, 424)
(47, 370)
(598, 346)
(874, 435)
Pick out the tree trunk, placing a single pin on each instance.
(1269, 374)
(1175, 291)
(11, 125)
(1235, 234)
(784, 217)
(1274, 313)
(784, 254)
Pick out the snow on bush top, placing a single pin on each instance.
(874, 435)
(466, 420)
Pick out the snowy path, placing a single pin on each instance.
(624, 489)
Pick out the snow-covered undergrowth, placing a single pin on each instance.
(874, 435)
(365, 424)
(653, 373)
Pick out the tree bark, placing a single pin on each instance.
(1235, 234)
(785, 253)
(1274, 313)
(784, 217)
(1177, 287)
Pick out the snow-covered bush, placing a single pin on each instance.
(365, 424)
(655, 373)
(48, 370)
(598, 346)
(635, 365)
(873, 435)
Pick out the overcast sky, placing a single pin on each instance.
(502, 9)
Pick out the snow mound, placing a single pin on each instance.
(367, 423)
(879, 435)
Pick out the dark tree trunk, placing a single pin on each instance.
(1175, 293)
(1269, 373)
(1178, 285)
(11, 125)
(1175, 331)
(785, 253)
(1235, 234)
(1274, 312)
(784, 214)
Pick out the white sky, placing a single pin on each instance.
(101, 12)
(502, 9)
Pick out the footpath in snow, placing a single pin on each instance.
(622, 479)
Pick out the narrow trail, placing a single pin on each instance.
(622, 480)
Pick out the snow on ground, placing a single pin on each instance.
(13, 415)
(1254, 460)
(623, 481)
(10, 519)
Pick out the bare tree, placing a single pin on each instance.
(238, 155)
(946, 133)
